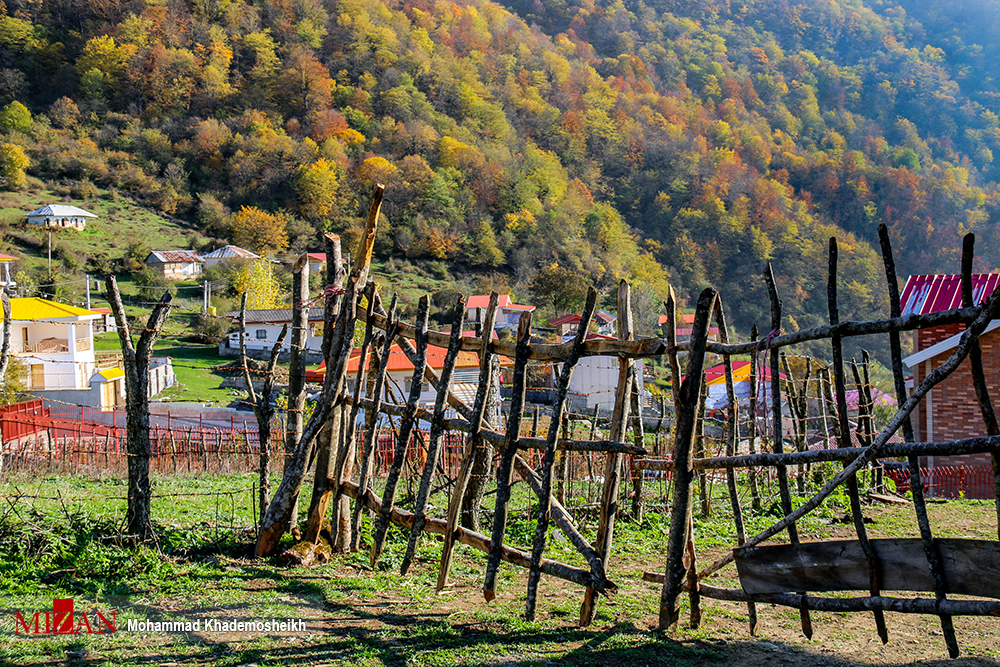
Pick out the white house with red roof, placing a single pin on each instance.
(508, 312)
(567, 325)
(950, 411)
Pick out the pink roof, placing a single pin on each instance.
(934, 293)
(6, 258)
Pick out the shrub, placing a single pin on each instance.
(210, 329)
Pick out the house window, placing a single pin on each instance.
(261, 334)
(409, 385)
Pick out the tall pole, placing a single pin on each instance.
(87, 280)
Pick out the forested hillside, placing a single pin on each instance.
(555, 143)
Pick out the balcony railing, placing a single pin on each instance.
(82, 344)
(48, 346)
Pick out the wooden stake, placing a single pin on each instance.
(405, 430)
(437, 431)
(686, 401)
(558, 405)
(916, 482)
(508, 454)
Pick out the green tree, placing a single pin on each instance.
(316, 186)
(15, 117)
(13, 162)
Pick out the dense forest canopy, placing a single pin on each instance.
(557, 143)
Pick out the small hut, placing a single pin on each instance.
(59, 215)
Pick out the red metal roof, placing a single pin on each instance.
(934, 293)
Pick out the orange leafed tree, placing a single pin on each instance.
(258, 231)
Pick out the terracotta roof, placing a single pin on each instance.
(937, 292)
(483, 301)
(171, 256)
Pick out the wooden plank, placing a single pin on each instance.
(971, 567)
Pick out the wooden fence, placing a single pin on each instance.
(947, 566)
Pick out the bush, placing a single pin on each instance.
(210, 329)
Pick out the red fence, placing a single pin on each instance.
(948, 481)
(19, 419)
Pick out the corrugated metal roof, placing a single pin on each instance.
(111, 373)
(60, 211)
(36, 308)
(171, 256)
(230, 252)
(273, 315)
(483, 301)
(934, 293)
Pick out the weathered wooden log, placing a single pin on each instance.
(337, 347)
(263, 407)
(783, 492)
(852, 481)
(372, 408)
(987, 312)
(437, 431)
(900, 605)
(680, 510)
(978, 374)
(978, 445)
(732, 442)
(475, 429)
(754, 490)
(565, 522)
(136, 361)
(639, 437)
(405, 430)
(843, 565)
(916, 482)
(295, 410)
(508, 453)
(476, 540)
(613, 462)
(610, 446)
(558, 405)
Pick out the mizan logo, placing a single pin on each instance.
(62, 620)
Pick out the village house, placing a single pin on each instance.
(685, 325)
(508, 312)
(55, 344)
(176, 264)
(950, 411)
(399, 370)
(5, 278)
(263, 329)
(567, 325)
(225, 254)
(59, 215)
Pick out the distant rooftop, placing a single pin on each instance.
(60, 211)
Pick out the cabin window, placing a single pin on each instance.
(261, 334)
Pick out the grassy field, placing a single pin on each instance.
(119, 223)
(62, 545)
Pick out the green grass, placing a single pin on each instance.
(120, 222)
(63, 544)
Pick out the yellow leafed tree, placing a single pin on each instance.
(257, 280)
(258, 231)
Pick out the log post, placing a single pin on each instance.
(405, 431)
(337, 347)
(786, 498)
(263, 408)
(437, 431)
(852, 481)
(545, 498)
(916, 482)
(297, 363)
(509, 452)
(686, 413)
(136, 358)
(486, 363)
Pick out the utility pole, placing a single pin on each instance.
(204, 297)
(87, 280)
